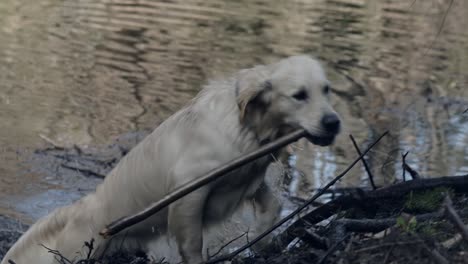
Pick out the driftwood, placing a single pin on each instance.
(187, 188)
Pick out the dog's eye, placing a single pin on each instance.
(301, 95)
(326, 89)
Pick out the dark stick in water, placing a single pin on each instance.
(369, 173)
(189, 187)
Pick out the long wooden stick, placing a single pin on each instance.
(189, 187)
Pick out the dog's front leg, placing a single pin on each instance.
(185, 217)
(267, 211)
(186, 224)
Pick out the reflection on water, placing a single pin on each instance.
(85, 71)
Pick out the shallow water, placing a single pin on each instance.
(83, 72)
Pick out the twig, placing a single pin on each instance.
(331, 250)
(440, 28)
(90, 246)
(107, 246)
(361, 250)
(451, 242)
(342, 190)
(432, 251)
(369, 173)
(187, 188)
(299, 209)
(455, 218)
(314, 240)
(414, 174)
(51, 142)
(387, 255)
(347, 250)
(403, 156)
(436, 255)
(85, 172)
(228, 243)
(56, 253)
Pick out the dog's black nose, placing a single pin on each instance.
(331, 123)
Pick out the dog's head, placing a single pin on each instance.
(291, 93)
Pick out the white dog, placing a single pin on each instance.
(228, 119)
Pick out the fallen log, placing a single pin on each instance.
(457, 183)
(377, 225)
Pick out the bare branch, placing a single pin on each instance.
(432, 251)
(58, 256)
(331, 250)
(369, 173)
(228, 243)
(455, 218)
(440, 28)
(414, 174)
(84, 171)
(90, 246)
(379, 246)
(314, 239)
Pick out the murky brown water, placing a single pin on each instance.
(85, 71)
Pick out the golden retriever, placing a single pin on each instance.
(227, 119)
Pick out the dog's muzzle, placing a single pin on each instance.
(331, 125)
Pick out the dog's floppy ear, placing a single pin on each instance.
(252, 90)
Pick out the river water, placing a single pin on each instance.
(84, 72)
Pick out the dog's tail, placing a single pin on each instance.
(31, 247)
